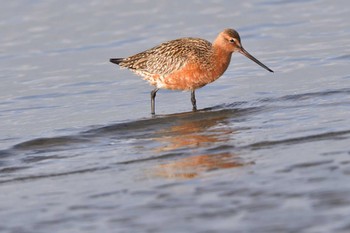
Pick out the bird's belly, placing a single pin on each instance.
(190, 77)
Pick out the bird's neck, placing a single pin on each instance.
(222, 59)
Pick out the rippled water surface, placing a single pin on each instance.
(266, 152)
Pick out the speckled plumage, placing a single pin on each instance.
(185, 63)
(157, 63)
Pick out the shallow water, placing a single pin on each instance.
(80, 152)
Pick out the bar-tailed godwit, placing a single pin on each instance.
(186, 63)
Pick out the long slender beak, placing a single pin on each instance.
(248, 55)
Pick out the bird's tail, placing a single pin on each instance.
(116, 60)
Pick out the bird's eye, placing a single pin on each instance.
(232, 40)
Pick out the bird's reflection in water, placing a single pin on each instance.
(193, 166)
(205, 140)
(196, 133)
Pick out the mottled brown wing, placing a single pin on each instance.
(167, 57)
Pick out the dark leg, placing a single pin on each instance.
(193, 100)
(153, 96)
